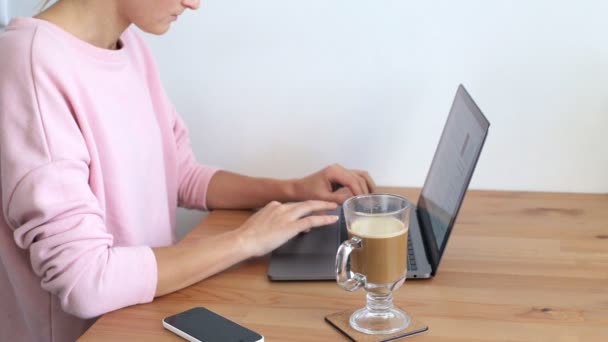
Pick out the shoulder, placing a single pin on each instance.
(17, 83)
(16, 50)
(27, 45)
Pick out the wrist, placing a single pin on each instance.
(289, 190)
(243, 242)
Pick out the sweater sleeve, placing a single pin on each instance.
(47, 200)
(193, 178)
(59, 221)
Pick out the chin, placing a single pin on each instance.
(157, 30)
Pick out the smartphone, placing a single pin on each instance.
(202, 325)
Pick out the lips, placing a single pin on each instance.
(175, 15)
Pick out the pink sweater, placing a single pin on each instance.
(94, 161)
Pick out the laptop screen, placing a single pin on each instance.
(451, 170)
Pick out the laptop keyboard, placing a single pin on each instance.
(411, 258)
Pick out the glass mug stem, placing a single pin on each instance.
(346, 278)
(379, 304)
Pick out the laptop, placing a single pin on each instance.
(312, 255)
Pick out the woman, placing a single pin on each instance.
(94, 161)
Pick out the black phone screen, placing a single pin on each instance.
(207, 326)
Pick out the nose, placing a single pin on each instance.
(191, 4)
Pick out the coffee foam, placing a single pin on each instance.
(378, 227)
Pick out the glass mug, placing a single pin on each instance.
(377, 247)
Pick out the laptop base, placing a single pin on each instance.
(304, 264)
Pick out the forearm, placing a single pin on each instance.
(193, 260)
(229, 190)
(184, 264)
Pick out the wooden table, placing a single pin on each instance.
(519, 266)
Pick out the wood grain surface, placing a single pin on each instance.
(519, 266)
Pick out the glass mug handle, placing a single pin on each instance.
(346, 278)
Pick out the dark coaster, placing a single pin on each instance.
(339, 320)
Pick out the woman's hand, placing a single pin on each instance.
(276, 223)
(322, 185)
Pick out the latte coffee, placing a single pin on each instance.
(382, 257)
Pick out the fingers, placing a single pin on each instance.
(296, 214)
(358, 181)
(308, 222)
(276, 223)
(297, 210)
(337, 173)
(371, 185)
(362, 183)
(340, 195)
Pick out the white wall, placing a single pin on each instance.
(282, 88)
(20, 7)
